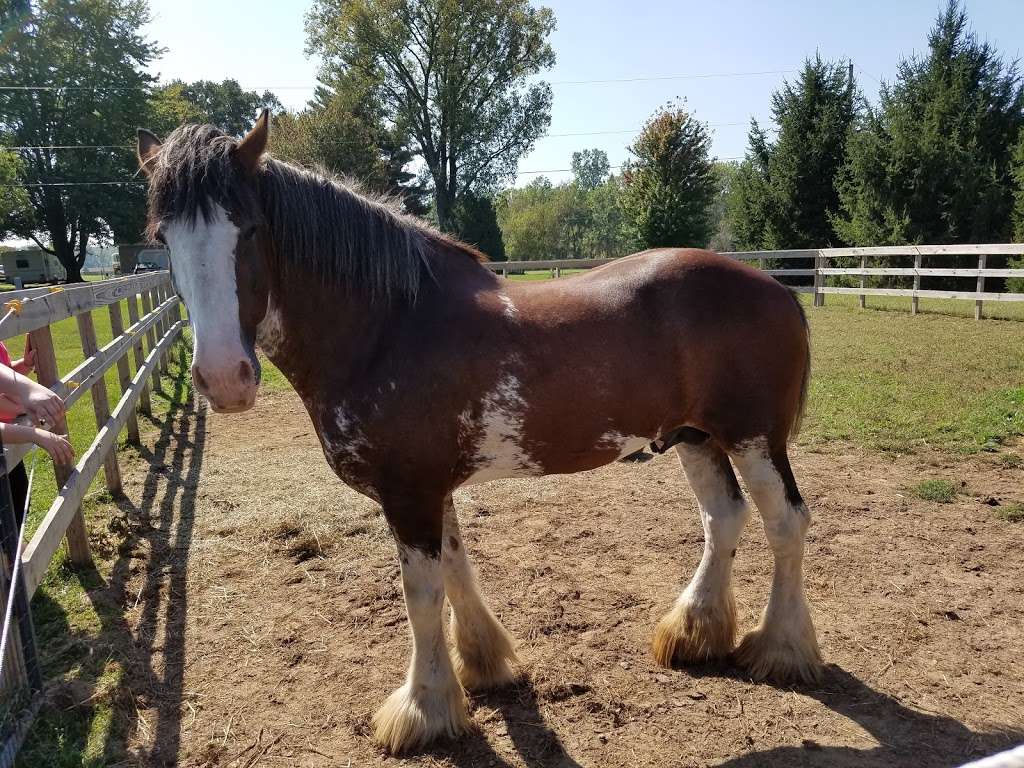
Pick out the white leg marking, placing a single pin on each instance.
(702, 623)
(784, 645)
(484, 651)
(431, 703)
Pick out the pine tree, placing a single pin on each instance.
(670, 185)
(477, 224)
(785, 191)
(932, 163)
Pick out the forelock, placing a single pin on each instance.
(194, 171)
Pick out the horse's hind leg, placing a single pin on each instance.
(484, 652)
(784, 646)
(702, 623)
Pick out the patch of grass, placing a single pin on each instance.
(1011, 513)
(1011, 460)
(898, 382)
(941, 491)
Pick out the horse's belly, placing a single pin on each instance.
(500, 457)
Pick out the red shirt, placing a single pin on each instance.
(5, 359)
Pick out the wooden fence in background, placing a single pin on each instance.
(819, 266)
(145, 340)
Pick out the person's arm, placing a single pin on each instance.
(57, 446)
(39, 402)
(9, 409)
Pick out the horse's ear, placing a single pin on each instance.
(251, 148)
(147, 149)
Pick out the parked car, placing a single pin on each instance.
(146, 266)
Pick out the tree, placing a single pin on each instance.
(607, 234)
(1016, 284)
(532, 221)
(476, 223)
(785, 195)
(343, 131)
(453, 74)
(723, 239)
(1017, 173)
(670, 185)
(225, 104)
(590, 168)
(97, 47)
(931, 164)
(14, 205)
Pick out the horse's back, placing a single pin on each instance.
(664, 338)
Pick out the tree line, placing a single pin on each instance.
(433, 102)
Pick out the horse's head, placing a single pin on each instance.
(203, 205)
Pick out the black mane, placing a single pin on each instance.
(315, 221)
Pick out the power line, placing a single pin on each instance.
(142, 183)
(673, 77)
(25, 147)
(71, 184)
(638, 79)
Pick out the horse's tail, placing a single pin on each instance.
(794, 429)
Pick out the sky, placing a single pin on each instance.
(260, 43)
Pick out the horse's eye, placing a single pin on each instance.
(160, 236)
(248, 232)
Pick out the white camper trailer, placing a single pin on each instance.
(32, 265)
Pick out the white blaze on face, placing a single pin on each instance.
(203, 258)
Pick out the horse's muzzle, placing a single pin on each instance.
(230, 388)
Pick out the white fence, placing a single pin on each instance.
(873, 263)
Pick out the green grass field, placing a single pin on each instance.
(882, 378)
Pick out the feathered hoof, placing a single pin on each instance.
(484, 657)
(409, 720)
(780, 655)
(692, 633)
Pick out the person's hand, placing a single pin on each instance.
(27, 364)
(42, 405)
(57, 446)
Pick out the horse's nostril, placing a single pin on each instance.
(200, 382)
(245, 372)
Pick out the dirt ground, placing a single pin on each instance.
(264, 603)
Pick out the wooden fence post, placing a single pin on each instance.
(917, 283)
(981, 286)
(863, 265)
(124, 373)
(162, 325)
(819, 280)
(100, 402)
(147, 307)
(140, 356)
(48, 375)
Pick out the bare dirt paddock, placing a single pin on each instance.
(263, 601)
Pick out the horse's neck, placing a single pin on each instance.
(319, 335)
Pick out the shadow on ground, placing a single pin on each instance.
(110, 676)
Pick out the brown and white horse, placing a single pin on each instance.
(422, 372)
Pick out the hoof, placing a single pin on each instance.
(484, 657)
(409, 720)
(693, 632)
(781, 656)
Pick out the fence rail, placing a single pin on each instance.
(146, 339)
(820, 273)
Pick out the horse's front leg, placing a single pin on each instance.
(431, 703)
